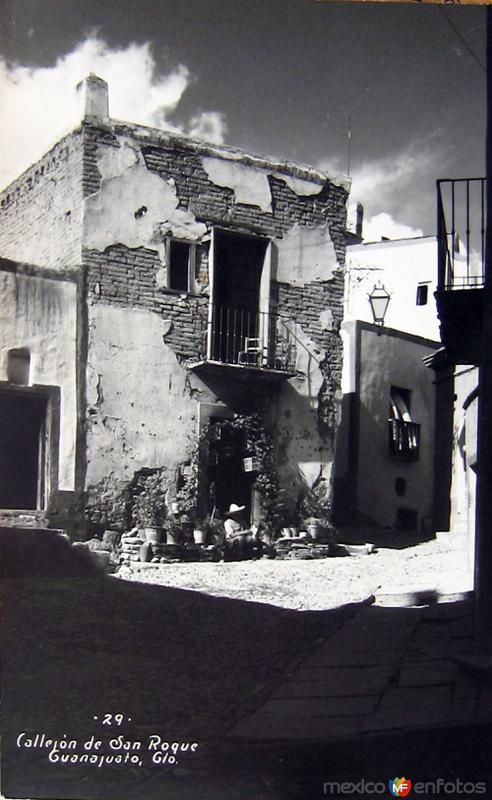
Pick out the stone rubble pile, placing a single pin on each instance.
(303, 547)
(135, 549)
(131, 544)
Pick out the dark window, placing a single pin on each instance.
(400, 486)
(422, 294)
(18, 366)
(406, 519)
(404, 433)
(179, 266)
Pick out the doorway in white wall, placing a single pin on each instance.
(23, 450)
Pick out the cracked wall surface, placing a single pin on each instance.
(140, 410)
(112, 194)
(127, 188)
(306, 255)
(146, 191)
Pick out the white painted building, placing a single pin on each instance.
(386, 452)
(408, 270)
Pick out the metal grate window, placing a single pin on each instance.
(404, 434)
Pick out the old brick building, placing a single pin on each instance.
(151, 283)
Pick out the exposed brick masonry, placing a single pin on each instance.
(304, 304)
(216, 204)
(93, 137)
(126, 277)
(41, 212)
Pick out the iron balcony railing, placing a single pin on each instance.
(404, 439)
(250, 339)
(461, 218)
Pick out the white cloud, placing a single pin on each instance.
(209, 125)
(397, 191)
(383, 225)
(380, 179)
(41, 104)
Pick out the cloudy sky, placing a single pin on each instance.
(276, 77)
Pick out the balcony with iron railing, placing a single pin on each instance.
(461, 222)
(247, 343)
(404, 439)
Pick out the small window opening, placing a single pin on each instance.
(422, 294)
(400, 486)
(179, 265)
(406, 519)
(18, 366)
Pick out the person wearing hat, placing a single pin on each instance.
(240, 541)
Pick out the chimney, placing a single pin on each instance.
(93, 92)
(355, 219)
(359, 219)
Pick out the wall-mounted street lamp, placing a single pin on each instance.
(379, 299)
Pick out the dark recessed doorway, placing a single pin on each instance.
(228, 481)
(22, 450)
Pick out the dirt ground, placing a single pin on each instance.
(179, 664)
(313, 585)
(182, 664)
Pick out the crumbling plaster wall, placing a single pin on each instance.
(40, 315)
(135, 207)
(142, 409)
(41, 212)
(305, 255)
(308, 407)
(141, 192)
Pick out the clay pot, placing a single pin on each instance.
(314, 529)
(145, 552)
(173, 537)
(153, 535)
(199, 536)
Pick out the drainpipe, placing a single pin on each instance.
(483, 529)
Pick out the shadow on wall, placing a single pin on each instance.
(371, 476)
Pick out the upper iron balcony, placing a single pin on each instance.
(461, 218)
(248, 344)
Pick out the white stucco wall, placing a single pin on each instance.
(140, 407)
(251, 186)
(400, 265)
(40, 314)
(305, 255)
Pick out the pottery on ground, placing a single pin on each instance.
(152, 534)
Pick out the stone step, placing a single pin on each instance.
(22, 519)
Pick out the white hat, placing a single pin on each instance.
(234, 509)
